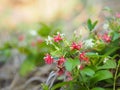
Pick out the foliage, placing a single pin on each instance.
(89, 64)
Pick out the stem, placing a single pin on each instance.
(55, 47)
(84, 82)
(115, 78)
(101, 60)
(66, 43)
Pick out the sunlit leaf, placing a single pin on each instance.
(71, 63)
(108, 64)
(101, 75)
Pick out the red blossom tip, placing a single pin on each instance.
(76, 46)
(106, 38)
(48, 59)
(83, 57)
(60, 61)
(57, 38)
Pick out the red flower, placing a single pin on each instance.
(21, 37)
(81, 67)
(83, 57)
(60, 61)
(57, 38)
(61, 71)
(48, 59)
(68, 74)
(106, 38)
(76, 46)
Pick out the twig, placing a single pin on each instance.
(31, 80)
(51, 75)
(51, 79)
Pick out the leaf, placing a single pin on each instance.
(118, 75)
(60, 85)
(98, 88)
(99, 46)
(111, 50)
(119, 62)
(44, 30)
(89, 24)
(94, 24)
(26, 67)
(109, 64)
(88, 71)
(101, 75)
(115, 36)
(71, 63)
(92, 54)
(44, 87)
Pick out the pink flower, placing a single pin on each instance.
(48, 59)
(76, 46)
(106, 38)
(57, 38)
(69, 76)
(60, 61)
(117, 15)
(83, 57)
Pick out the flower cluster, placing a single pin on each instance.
(57, 38)
(79, 47)
(60, 63)
(87, 59)
(76, 46)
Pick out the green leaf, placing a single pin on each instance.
(98, 88)
(116, 35)
(119, 62)
(94, 24)
(44, 87)
(89, 24)
(99, 46)
(101, 75)
(88, 71)
(118, 75)
(109, 64)
(60, 85)
(26, 67)
(71, 63)
(44, 30)
(92, 54)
